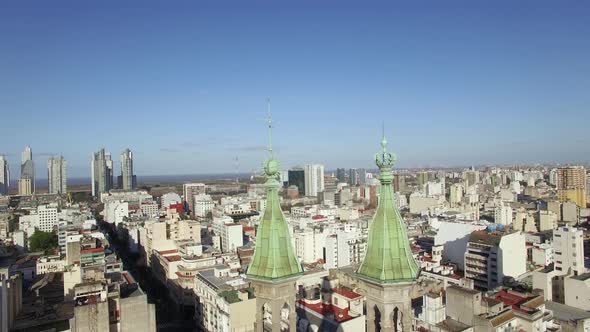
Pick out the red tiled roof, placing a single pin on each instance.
(249, 228)
(339, 315)
(86, 251)
(318, 216)
(346, 293)
(173, 258)
(509, 298)
(166, 252)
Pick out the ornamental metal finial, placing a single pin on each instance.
(385, 161)
(271, 166)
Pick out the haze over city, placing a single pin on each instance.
(458, 83)
(305, 166)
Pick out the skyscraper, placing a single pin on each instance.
(4, 176)
(388, 271)
(297, 178)
(127, 177)
(362, 176)
(353, 177)
(274, 268)
(341, 174)
(102, 173)
(314, 179)
(571, 185)
(56, 175)
(27, 173)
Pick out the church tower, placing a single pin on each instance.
(274, 268)
(389, 271)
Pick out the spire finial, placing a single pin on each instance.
(271, 166)
(383, 139)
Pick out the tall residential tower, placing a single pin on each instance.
(26, 182)
(127, 179)
(4, 176)
(56, 175)
(314, 179)
(102, 173)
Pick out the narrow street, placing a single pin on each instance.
(169, 317)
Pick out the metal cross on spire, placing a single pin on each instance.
(268, 120)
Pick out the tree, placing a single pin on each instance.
(43, 241)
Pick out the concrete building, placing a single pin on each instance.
(455, 194)
(568, 243)
(309, 245)
(353, 177)
(454, 236)
(341, 175)
(203, 204)
(4, 176)
(128, 179)
(11, 299)
(25, 187)
(189, 191)
(503, 213)
(493, 255)
(571, 185)
(314, 179)
(26, 184)
(101, 173)
(222, 301)
(56, 175)
(48, 218)
(297, 178)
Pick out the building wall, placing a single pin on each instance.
(454, 237)
(512, 256)
(137, 314)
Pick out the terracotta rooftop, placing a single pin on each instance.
(175, 258)
(346, 293)
(328, 310)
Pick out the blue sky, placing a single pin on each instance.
(183, 83)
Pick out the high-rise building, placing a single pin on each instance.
(25, 187)
(314, 179)
(493, 255)
(274, 268)
(503, 213)
(128, 181)
(571, 185)
(297, 178)
(353, 177)
(568, 243)
(27, 173)
(422, 178)
(56, 175)
(362, 176)
(4, 176)
(389, 271)
(341, 174)
(102, 173)
(399, 182)
(455, 194)
(189, 191)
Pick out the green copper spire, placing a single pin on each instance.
(274, 257)
(389, 256)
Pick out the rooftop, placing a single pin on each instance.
(566, 313)
(349, 294)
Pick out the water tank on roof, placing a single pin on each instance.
(500, 227)
(492, 227)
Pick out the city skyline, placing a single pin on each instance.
(188, 83)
